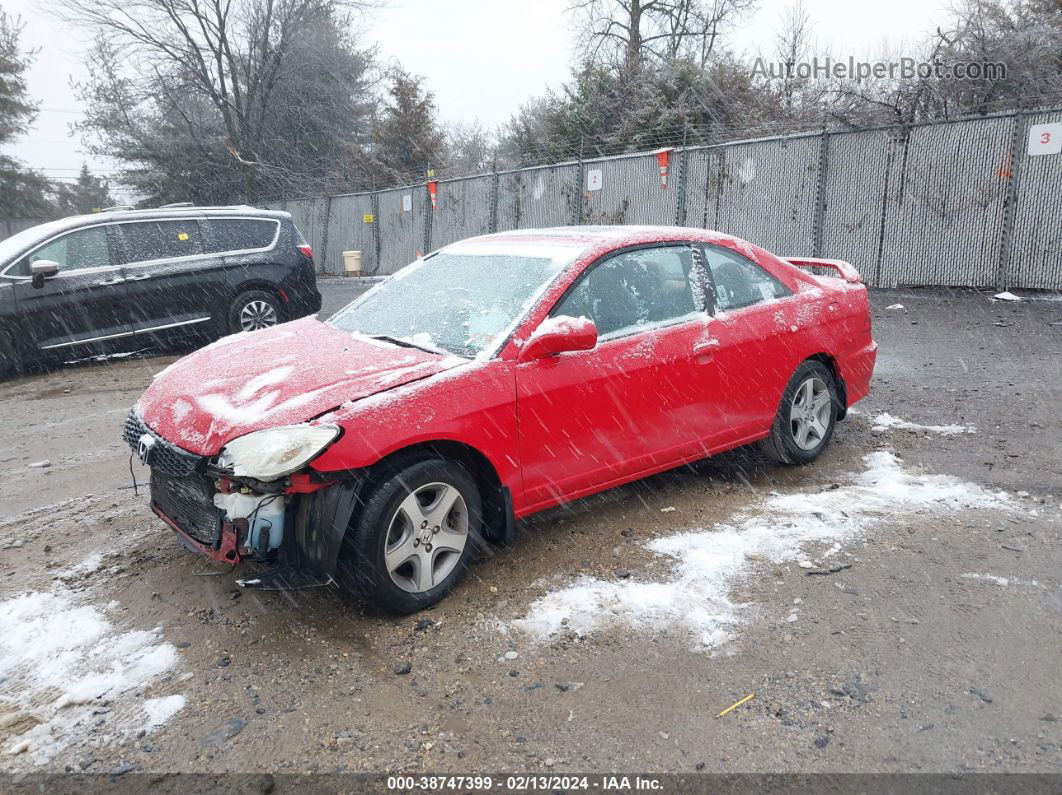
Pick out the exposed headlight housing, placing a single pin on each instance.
(275, 452)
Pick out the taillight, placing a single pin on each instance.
(303, 247)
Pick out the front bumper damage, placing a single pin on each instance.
(292, 528)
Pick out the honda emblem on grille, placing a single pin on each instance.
(144, 448)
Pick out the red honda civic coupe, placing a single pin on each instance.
(497, 377)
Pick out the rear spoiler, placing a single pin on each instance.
(844, 269)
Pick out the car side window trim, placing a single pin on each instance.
(703, 274)
(206, 231)
(704, 291)
(697, 316)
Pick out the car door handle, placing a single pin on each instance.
(111, 282)
(704, 351)
(139, 278)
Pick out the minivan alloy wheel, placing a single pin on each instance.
(811, 413)
(256, 315)
(426, 536)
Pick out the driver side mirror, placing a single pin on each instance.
(41, 270)
(559, 335)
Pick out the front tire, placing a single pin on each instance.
(806, 417)
(254, 310)
(413, 539)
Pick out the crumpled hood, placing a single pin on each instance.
(279, 376)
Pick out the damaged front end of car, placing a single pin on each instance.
(254, 501)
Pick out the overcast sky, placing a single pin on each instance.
(482, 58)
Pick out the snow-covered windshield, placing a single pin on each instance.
(459, 301)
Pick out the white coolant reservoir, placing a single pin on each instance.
(264, 514)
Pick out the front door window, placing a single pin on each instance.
(78, 250)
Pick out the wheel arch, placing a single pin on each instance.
(497, 500)
(258, 283)
(842, 391)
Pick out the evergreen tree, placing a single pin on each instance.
(23, 193)
(89, 194)
(407, 139)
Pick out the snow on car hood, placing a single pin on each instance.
(279, 376)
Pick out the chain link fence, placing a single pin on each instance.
(956, 203)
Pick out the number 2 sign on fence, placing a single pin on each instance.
(1045, 139)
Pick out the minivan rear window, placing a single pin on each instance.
(239, 234)
(150, 240)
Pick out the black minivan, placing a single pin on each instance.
(124, 280)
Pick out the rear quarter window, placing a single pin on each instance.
(739, 282)
(239, 234)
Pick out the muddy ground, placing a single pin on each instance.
(898, 663)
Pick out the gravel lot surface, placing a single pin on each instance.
(933, 646)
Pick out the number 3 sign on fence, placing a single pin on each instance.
(1045, 139)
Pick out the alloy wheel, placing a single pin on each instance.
(426, 536)
(257, 315)
(811, 413)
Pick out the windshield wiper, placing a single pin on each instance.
(408, 344)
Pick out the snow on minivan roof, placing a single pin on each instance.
(19, 243)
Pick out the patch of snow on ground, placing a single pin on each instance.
(107, 357)
(63, 664)
(1000, 581)
(709, 562)
(987, 577)
(885, 421)
(160, 710)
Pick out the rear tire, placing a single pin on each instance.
(806, 417)
(414, 537)
(254, 310)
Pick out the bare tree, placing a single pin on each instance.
(470, 149)
(626, 33)
(229, 82)
(1015, 46)
(800, 96)
(1024, 36)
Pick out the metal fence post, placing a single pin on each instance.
(428, 220)
(883, 216)
(820, 196)
(492, 224)
(1017, 156)
(324, 234)
(684, 167)
(580, 186)
(374, 203)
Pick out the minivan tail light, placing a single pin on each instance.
(301, 244)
